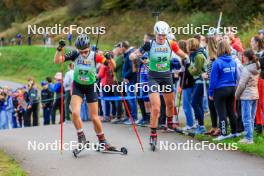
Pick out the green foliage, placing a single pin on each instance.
(9, 167)
(20, 10)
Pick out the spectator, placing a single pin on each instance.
(197, 67)
(33, 104)
(10, 109)
(56, 88)
(4, 123)
(46, 101)
(67, 83)
(19, 39)
(261, 34)
(106, 74)
(247, 92)
(212, 55)
(222, 89)
(29, 39)
(257, 44)
(187, 83)
(119, 59)
(69, 36)
(130, 78)
(237, 45)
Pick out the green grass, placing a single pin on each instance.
(9, 167)
(256, 149)
(18, 63)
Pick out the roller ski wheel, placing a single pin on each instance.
(153, 142)
(110, 149)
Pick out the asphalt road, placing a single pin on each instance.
(91, 163)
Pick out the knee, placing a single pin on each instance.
(75, 114)
(156, 110)
(170, 105)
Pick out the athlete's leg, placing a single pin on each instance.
(93, 110)
(155, 109)
(76, 102)
(169, 101)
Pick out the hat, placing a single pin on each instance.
(43, 83)
(261, 31)
(58, 76)
(122, 44)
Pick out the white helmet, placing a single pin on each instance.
(161, 27)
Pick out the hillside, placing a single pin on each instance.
(131, 25)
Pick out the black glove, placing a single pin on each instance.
(62, 43)
(145, 47)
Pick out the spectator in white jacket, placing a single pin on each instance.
(67, 82)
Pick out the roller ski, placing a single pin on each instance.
(153, 141)
(82, 144)
(105, 147)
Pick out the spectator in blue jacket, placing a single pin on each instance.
(56, 88)
(223, 87)
(130, 78)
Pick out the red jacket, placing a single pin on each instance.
(237, 45)
(106, 73)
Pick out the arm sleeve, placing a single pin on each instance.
(214, 77)
(71, 56)
(101, 72)
(174, 46)
(245, 75)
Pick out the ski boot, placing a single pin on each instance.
(153, 141)
(105, 147)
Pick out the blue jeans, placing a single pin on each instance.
(205, 103)
(187, 106)
(248, 109)
(132, 102)
(197, 103)
(4, 123)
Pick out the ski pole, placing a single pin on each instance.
(132, 121)
(183, 77)
(130, 117)
(62, 101)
